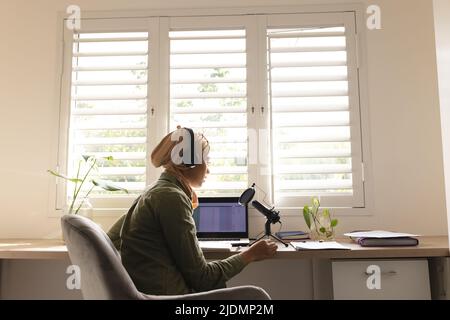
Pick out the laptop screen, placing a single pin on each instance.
(221, 218)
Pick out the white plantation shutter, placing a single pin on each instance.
(208, 93)
(108, 114)
(276, 95)
(312, 72)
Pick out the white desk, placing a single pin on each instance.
(430, 249)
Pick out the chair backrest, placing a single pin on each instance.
(102, 273)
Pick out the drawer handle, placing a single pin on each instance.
(383, 273)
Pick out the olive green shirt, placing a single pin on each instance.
(159, 247)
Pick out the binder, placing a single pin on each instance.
(387, 242)
(292, 235)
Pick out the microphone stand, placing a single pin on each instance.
(269, 234)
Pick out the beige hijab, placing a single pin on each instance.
(162, 156)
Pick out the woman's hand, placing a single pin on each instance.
(260, 250)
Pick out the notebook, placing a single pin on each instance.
(381, 238)
(292, 235)
(386, 242)
(222, 222)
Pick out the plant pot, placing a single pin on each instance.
(316, 235)
(321, 230)
(81, 207)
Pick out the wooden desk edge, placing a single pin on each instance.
(37, 255)
(345, 254)
(436, 246)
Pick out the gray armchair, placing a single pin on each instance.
(104, 277)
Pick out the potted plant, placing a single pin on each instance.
(319, 222)
(79, 203)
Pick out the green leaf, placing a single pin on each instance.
(326, 213)
(334, 223)
(322, 230)
(316, 202)
(74, 180)
(108, 186)
(306, 216)
(109, 158)
(315, 206)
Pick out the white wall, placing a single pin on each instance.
(408, 185)
(442, 32)
(406, 150)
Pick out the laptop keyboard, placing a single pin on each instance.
(220, 239)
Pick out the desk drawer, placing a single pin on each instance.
(381, 279)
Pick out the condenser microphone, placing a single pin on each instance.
(271, 215)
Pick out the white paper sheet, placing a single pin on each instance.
(317, 245)
(378, 234)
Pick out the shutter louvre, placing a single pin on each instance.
(208, 94)
(310, 112)
(108, 110)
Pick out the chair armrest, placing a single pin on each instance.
(234, 293)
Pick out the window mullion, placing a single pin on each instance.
(252, 99)
(154, 85)
(163, 109)
(262, 112)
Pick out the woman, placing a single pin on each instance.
(157, 237)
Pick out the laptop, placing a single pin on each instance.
(221, 219)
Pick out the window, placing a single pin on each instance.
(314, 100)
(208, 93)
(109, 105)
(107, 91)
(283, 86)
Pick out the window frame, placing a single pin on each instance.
(158, 93)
